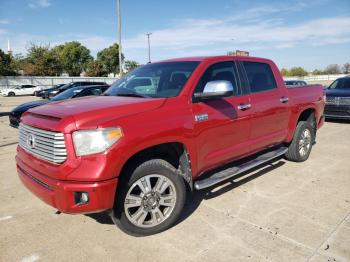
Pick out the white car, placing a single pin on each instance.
(20, 90)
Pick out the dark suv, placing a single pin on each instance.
(338, 99)
(54, 92)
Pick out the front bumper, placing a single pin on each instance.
(61, 194)
(337, 111)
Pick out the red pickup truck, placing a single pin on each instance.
(159, 132)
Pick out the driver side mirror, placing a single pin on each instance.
(214, 90)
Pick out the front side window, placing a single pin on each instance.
(158, 80)
(219, 71)
(260, 76)
(89, 92)
(67, 94)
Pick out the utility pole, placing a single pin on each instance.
(120, 41)
(149, 47)
(9, 51)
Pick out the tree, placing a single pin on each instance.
(95, 68)
(346, 68)
(42, 61)
(74, 57)
(109, 58)
(284, 72)
(333, 69)
(317, 72)
(6, 66)
(297, 71)
(130, 65)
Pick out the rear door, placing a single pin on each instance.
(222, 130)
(29, 89)
(24, 90)
(269, 106)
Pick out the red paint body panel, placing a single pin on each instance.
(60, 194)
(228, 134)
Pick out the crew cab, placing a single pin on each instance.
(20, 90)
(137, 154)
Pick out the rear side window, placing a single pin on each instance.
(260, 76)
(220, 71)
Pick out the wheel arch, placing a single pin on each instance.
(304, 115)
(175, 153)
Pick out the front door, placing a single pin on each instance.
(221, 129)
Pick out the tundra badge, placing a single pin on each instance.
(200, 118)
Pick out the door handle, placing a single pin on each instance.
(284, 99)
(244, 106)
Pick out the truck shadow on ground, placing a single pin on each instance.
(221, 188)
(195, 199)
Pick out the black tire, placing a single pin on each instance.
(11, 94)
(150, 167)
(294, 152)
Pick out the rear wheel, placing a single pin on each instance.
(151, 200)
(300, 148)
(11, 94)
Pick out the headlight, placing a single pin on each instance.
(89, 142)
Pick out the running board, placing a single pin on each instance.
(232, 171)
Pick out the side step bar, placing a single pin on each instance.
(232, 171)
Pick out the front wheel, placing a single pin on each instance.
(151, 200)
(300, 148)
(11, 94)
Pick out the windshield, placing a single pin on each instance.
(162, 80)
(67, 94)
(341, 83)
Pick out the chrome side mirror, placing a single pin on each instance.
(215, 89)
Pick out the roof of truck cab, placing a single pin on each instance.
(208, 58)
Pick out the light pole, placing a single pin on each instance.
(233, 50)
(149, 47)
(120, 41)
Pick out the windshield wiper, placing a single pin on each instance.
(133, 95)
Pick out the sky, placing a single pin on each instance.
(307, 33)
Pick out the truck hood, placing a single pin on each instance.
(338, 92)
(91, 112)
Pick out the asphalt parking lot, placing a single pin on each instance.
(281, 212)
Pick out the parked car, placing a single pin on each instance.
(338, 99)
(20, 90)
(294, 83)
(75, 92)
(58, 90)
(137, 154)
(41, 93)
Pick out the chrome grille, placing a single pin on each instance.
(44, 144)
(331, 100)
(339, 101)
(344, 101)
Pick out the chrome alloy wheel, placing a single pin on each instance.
(305, 142)
(150, 200)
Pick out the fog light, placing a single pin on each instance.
(81, 197)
